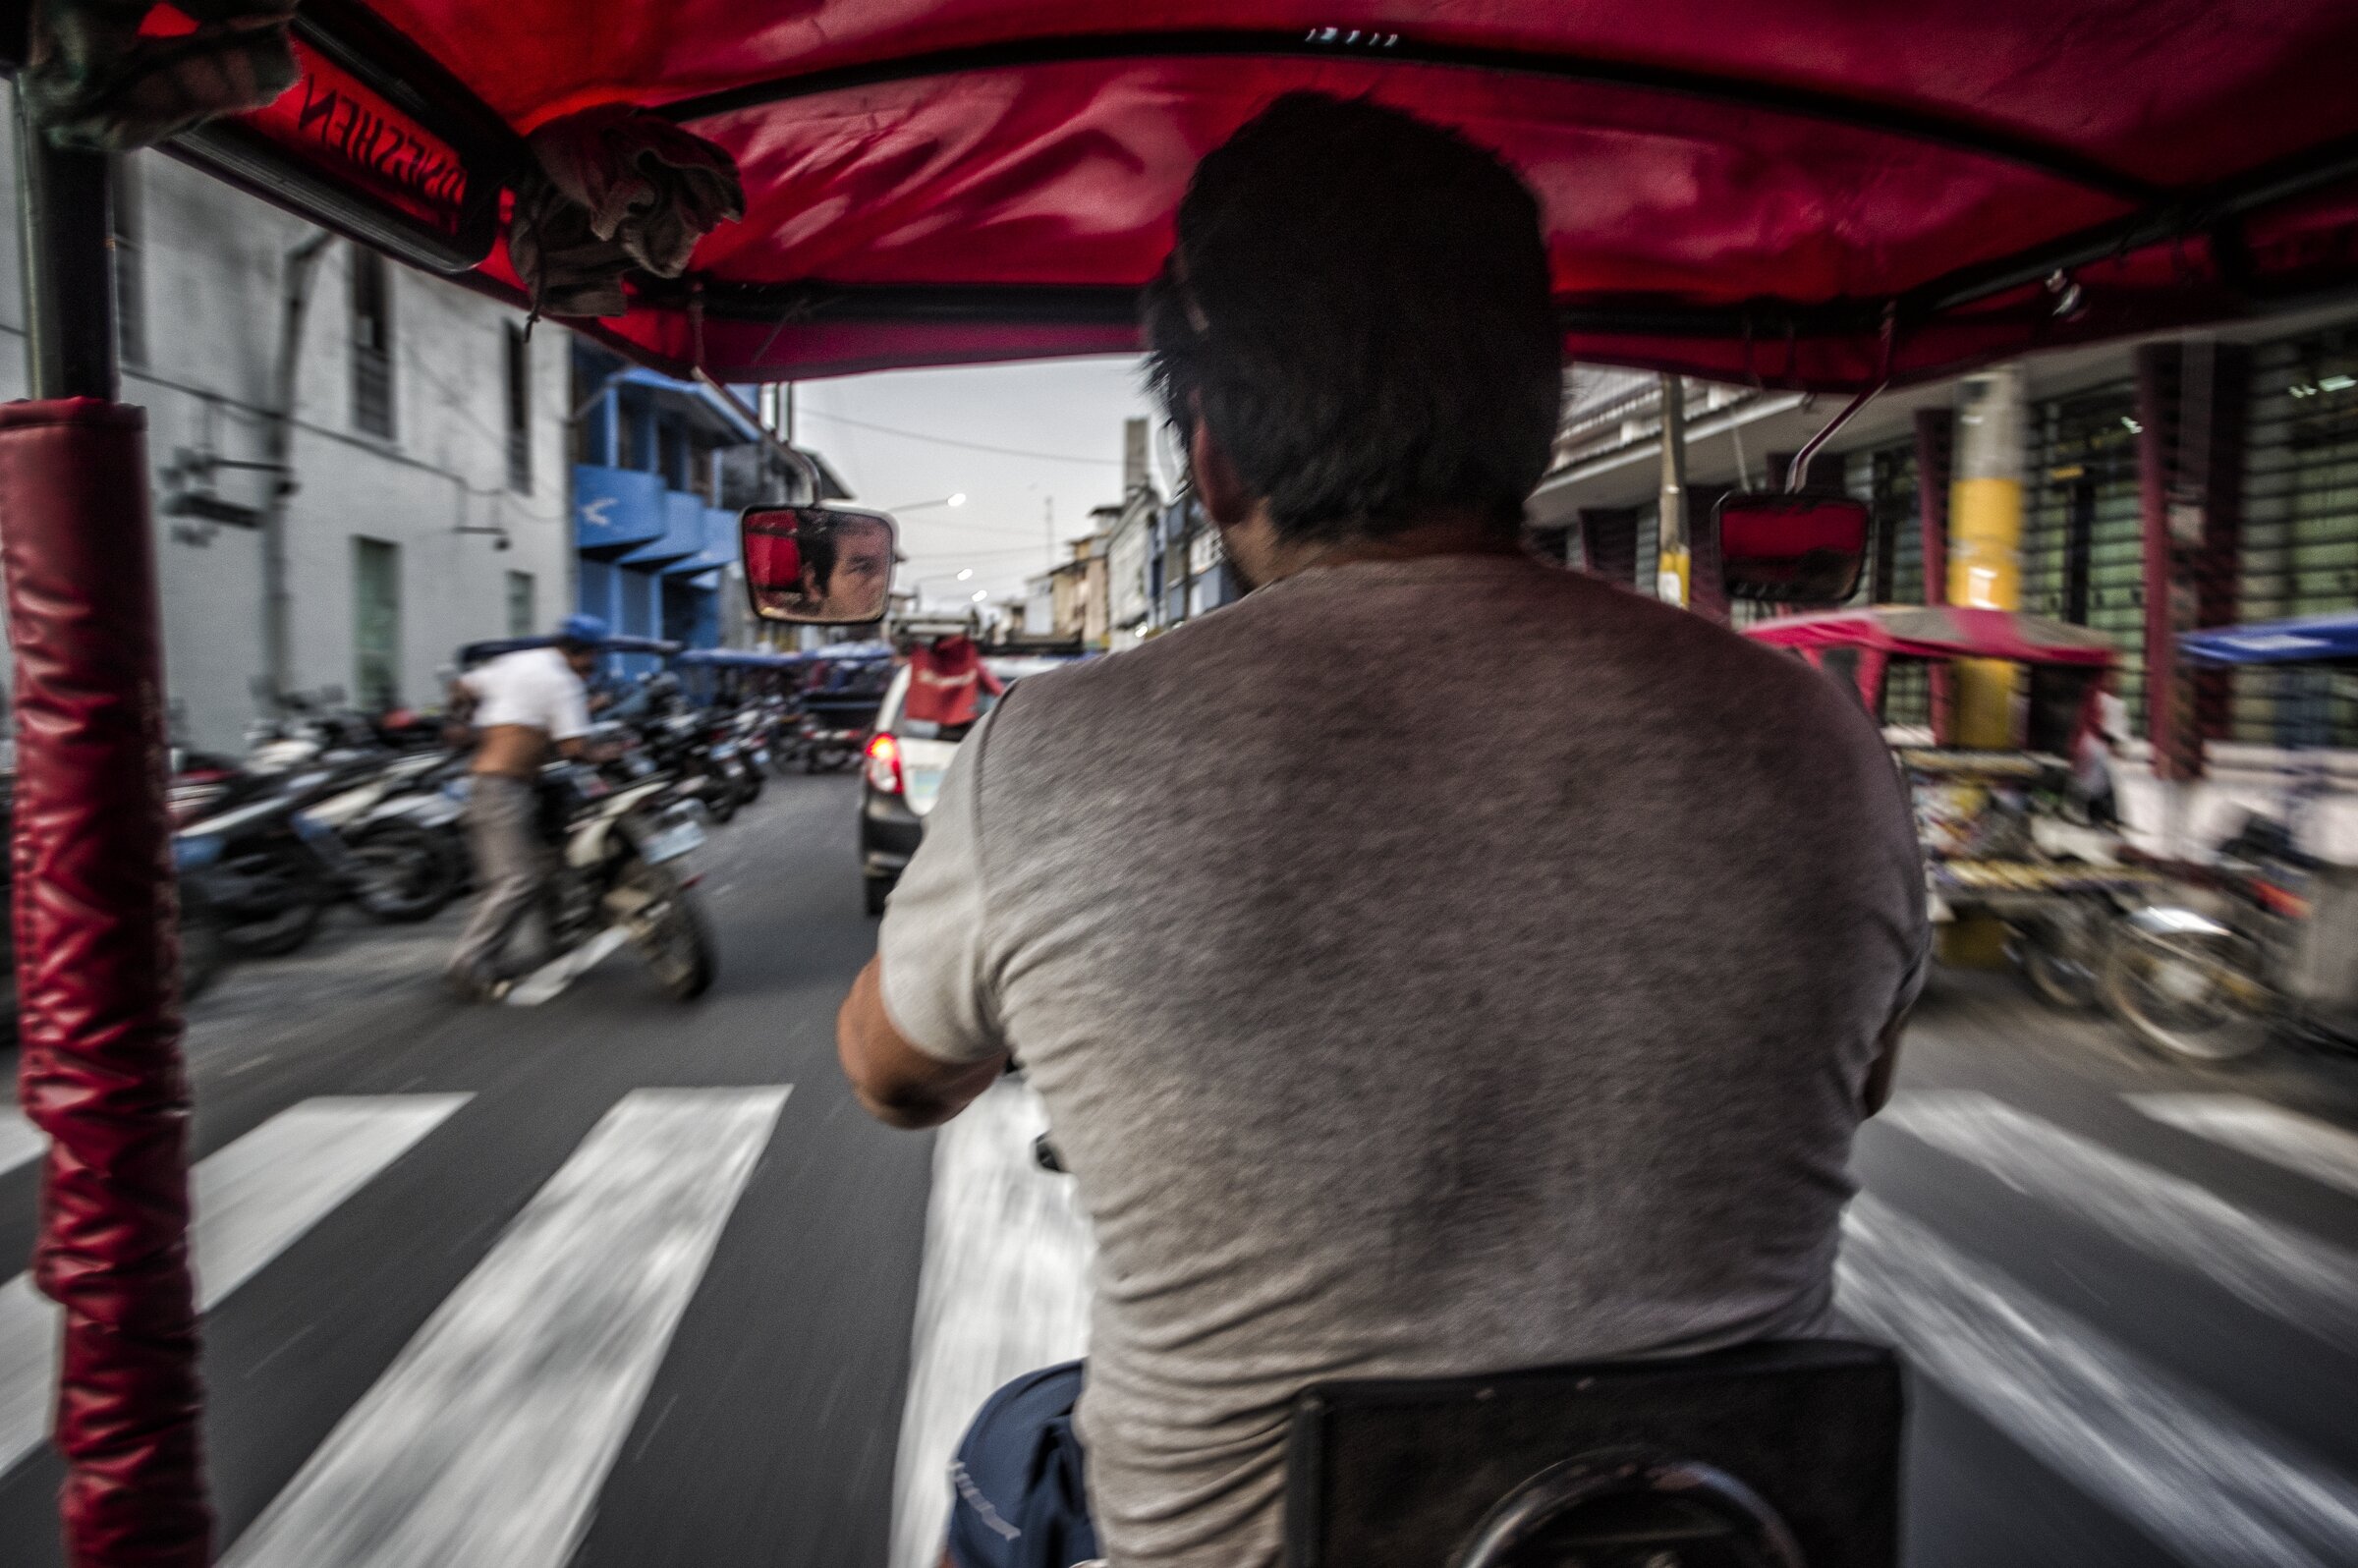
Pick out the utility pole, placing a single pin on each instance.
(1671, 571)
(295, 298)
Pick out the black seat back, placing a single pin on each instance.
(1781, 1455)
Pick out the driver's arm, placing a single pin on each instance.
(920, 1036)
(1876, 1093)
(896, 1083)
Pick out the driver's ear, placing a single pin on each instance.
(1226, 500)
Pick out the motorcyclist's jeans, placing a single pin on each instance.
(510, 865)
(1018, 1499)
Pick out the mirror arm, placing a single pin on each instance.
(796, 459)
(1797, 472)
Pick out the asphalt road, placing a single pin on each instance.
(612, 1281)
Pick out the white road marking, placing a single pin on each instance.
(485, 1442)
(2308, 1284)
(1004, 1291)
(251, 1200)
(2302, 1144)
(548, 983)
(21, 1143)
(2205, 1482)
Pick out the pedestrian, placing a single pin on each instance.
(1435, 963)
(523, 708)
(2096, 766)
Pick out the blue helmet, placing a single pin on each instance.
(584, 631)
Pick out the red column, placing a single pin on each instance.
(97, 975)
(1935, 432)
(2192, 408)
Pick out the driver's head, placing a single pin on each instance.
(1358, 314)
(818, 561)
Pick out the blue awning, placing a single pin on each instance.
(2313, 639)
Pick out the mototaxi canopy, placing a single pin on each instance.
(1857, 646)
(1806, 194)
(740, 658)
(473, 653)
(1941, 632)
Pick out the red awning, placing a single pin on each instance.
(1741, 189)
(1941, 632)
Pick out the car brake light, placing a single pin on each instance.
(884, 766)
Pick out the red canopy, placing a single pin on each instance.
(1743, 188)
(1941, 632)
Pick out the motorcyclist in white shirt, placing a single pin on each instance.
(521, 706)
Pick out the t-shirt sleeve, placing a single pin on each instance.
(936, 982)
(568, 709)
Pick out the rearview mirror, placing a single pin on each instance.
(1781, 548)
(820, 565)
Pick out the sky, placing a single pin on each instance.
(1032, 447)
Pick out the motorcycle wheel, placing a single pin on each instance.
(721, 804)
(2171, 995)
(203, 945)
(749, 786)
(283, 930)
(678, 940)
(404, 876)
(2062, 967)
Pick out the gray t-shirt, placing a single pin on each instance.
(1430, 967)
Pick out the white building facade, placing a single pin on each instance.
(428, 461)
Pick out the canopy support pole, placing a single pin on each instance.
(1673, 565)
(97, 953)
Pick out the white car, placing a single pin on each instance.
(902, 776)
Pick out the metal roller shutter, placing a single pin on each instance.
(2082, 553)
(2300, 521)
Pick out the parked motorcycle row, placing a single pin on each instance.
(328, 806)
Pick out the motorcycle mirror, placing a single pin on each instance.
(1794, 550)
(817, 565)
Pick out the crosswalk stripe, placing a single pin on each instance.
(2302, 1144)
(1004, 1291)
(2308, 1284)
(21, 1141)
(483, 1445)
(252, 1200)
(2202, 1481)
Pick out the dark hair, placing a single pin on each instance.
(817, 543)
(1359, 306)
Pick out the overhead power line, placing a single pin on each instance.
(944, 440)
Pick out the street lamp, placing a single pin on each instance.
(918, 506)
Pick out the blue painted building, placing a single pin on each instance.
(662, 469)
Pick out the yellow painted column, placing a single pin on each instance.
(1984, 570)
(1985, 544)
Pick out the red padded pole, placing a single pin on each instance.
(97, 976)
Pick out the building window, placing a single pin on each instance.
(129, 233)
(638, 420)
(671, 453)
(375, 624)
(520, 411)
(524, 610)
(371, 344)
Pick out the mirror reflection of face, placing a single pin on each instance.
(818, 566)
(849, 581)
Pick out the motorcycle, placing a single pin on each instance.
(618, 880)
(2265, 945)
(405, 861)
